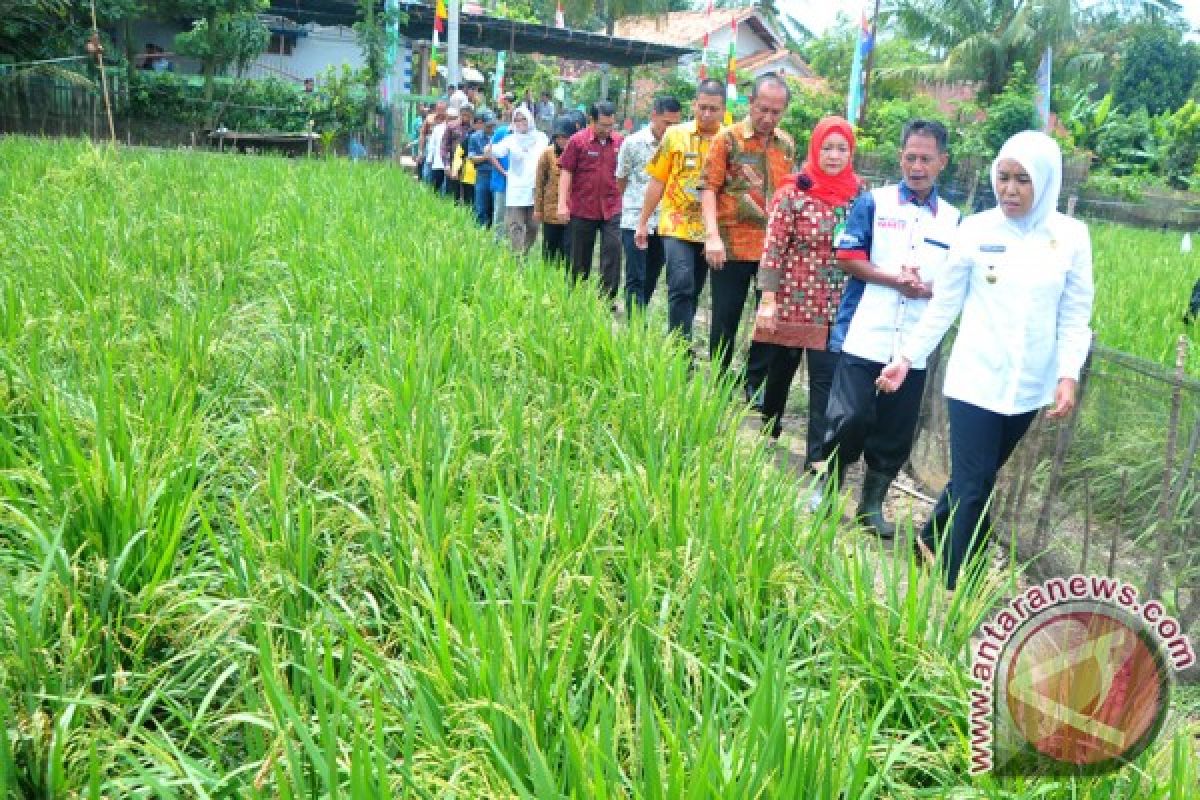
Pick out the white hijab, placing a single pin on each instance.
(1042, 159)
(523, 141)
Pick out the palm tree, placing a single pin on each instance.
(981, 40)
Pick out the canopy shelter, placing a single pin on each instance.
(494, 33)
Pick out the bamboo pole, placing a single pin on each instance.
(95, 48)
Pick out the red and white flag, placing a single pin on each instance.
(560, 19)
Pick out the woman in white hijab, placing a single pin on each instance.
(523, 146)
(1021, 276)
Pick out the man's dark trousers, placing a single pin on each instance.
(730, 285)
(583, 243)
(554, 242)
(863, 422)
(686, 273)
(642, 267)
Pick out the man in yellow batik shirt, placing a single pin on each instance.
(675, 183)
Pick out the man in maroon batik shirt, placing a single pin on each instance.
(588, 195)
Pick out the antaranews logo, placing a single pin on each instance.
(1073, 677)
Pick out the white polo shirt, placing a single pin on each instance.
(903, 233)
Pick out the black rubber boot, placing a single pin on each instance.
(870, 510)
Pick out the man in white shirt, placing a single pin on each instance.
(438, 164)
(895, 240)
(642, 267)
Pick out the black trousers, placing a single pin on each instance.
(583, 243)
(981, 441)
(784, 361)
(863, 422)
(554, 242)
(730, 285)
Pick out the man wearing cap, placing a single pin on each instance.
(476, 145)
(642, 267)
(587, 193)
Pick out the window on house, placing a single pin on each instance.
(281, 45)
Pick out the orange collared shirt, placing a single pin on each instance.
(743, 171)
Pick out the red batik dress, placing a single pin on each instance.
(799, 264)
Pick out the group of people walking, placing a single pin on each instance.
(862, 284)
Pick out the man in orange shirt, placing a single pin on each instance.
(746, 162)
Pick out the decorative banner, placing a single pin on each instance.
(1043, 88)
(498, 91)
(855, 97)
(731, 74)
(560, 19)
(704, 49)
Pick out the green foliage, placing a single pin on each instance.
(885, 122)
(1157, 70)
(1183, 148)
(808, 106)
(1010, 112)
(1082, 116)
(234, 41)
(264, 105)
(1126, 144)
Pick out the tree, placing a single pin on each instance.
(1157, 70)
(225, 32)
(981, 40)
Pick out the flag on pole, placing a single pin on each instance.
(731, 67)
(560, 19)
(855, 96)
(439, 18)
(1043, 88)
(439, 26)
(704, 48)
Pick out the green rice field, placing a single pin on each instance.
(307, 489)
(1143, 283)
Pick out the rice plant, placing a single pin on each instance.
(307, 489)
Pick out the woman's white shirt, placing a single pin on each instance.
(523, 151)
(1026, 303)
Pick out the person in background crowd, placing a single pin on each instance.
(437, 160)
(458, 98)
(476, 151)
(309, 86)
(1020, 275)
(588, 194)
(457, 122)
(523, 146)
(500, 177)
(746, 162)
(799, 277)
(675, 185)
(545, 111)
(642, 267)
(425, 142)
(467, 172)
(545, 193)
(894, 243)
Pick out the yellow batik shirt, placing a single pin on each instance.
(678, 164)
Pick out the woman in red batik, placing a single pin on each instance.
(799, 278)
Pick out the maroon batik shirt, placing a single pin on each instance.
(593, 167)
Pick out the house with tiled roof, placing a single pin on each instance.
(760, 47)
